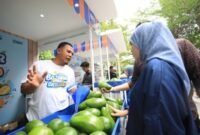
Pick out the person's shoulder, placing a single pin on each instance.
(154, 64)
(69, 68)
(43, 61)
(154, 68)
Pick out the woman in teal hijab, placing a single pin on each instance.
(159, 104)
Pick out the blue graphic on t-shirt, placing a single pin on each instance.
(56, 80)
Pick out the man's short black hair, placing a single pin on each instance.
(111, 67)
(85, 64)
(62, 44)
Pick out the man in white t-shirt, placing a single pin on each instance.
(47, 82)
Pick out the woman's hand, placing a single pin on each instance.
(118, 113)
(103, 90)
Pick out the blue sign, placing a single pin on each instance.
(13, 68)
(2, 58)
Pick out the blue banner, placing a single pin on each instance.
(86, 12)
(76, 6)
(13, 68)
(83, 46)
(75, 48)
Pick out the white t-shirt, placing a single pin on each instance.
(51, 96)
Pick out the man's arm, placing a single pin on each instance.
(73, 82)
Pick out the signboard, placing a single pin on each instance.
(13, 67)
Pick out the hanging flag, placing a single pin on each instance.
(81, 5)
(111, 46)
(96, 28)
(79, 47)
(83, 46)
(86, 12)
(100, 42)
(76, 6)
(75, 48)
(95, 44)
(104, 40)
(93, 22)
(92, 19)
(87, 46)
(70, 2)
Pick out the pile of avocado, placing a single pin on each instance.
(96, 108)
(55, 127)
(94, 118)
